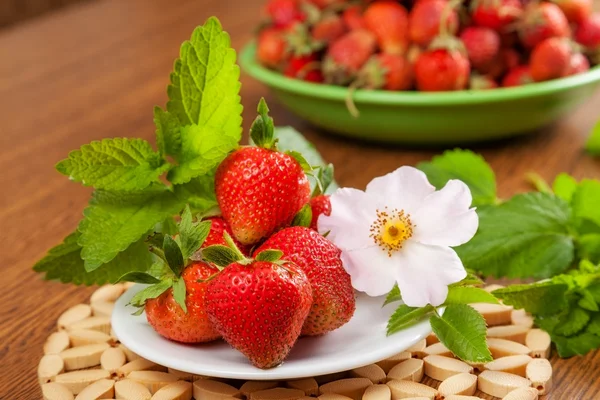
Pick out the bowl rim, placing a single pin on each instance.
(250, 65)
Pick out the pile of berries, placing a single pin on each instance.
(264, 275)
(429, 45)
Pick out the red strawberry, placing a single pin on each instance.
(496, 14)
(510, 58)
(271, 48)
(550, 59)
(307, 68)
(482, 82)
(388, 20)
(329, 28)
(442, 69)
(517, 76)
(353, 18)
(386, 71)
(259, 309)
(588, 32)
(482, 44)
(333, 297)
(578, 64)
(425, 19)
(347, 55)
(259, 189)
(319, 205)
(326, 3)
(575, 10)
(542, 21)
(171, 321)
(284, 13)
(218, 227)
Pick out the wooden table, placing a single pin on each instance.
(96, 70)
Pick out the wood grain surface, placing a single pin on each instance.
(96, 70)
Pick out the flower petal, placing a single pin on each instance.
(404, 189)
(444, 217)
(371, 270)
(425, 272)
(352, 213)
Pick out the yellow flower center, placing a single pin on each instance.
(391, 229)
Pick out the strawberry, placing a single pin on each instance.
(388, 20)
(306, 68)
(542, 21)
(575, 10)
(550, 59)
(167, 317)
(517, 76)
(347, 55)
(578, 64)
(353, 18)
(259, 308)
(218, 228)
(482, 82)
(482, 44)
(271, 48)
(333, 297)
(496, 14)
(319, 205)
(329, 28)
(425, 18)
(588, 32)
(386, 71)
(326, 3)
(259, 189)
(284, 13)
(441, 69)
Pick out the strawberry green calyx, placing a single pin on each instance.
(304, 216)
(262, 131)
(269, 255)
(221, 255)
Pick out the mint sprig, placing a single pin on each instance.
(593, 143)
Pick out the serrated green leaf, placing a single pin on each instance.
(167, 227)
(114, 164)
(220, 255)
(470, 279)
(168, 138)
(151, 292)
(303, 217)
(593, 143)
(262, 129)
(114, 220)
(199, 193)
(173, 255)
(576, 345)
(564, 186)
(594, 325)
(325, 176)
(587, 301)
(585, 201)
(405, 316)
(191, 235)
(179, 292)
(572, 322)
(467, 166)
(544, 298)
(64, 263)
(159, 270)
(393, 295)
(269, 255)
(588, 247)
(526, 236)
(138, 277)
(462, 330)
(469, 294)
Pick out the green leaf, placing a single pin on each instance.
(168, 137)
(588, 247)
(64, 263)
(538, 182)
(167, 227)
(576, 345)
(470, 279)
(179, 292)
(114, 164)
(199, 193)
(151, 292)
(173, 255)
(303, 217)
(544, 298)
(300, 159)
(572, 322)
(114, 220)
(585, 201)
(269, 255)
(594, 325)
(593, 143)
(138, 277)
(587, 301)
(526, 236)
(467, 166)
(393, 295)
(405, 316)
(262, 129)
(462, 330)
(220, 255)
(325, 176)
(564, 186)
(191, 234)
(159, 270)
(469, 294)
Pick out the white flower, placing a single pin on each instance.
(401, 230)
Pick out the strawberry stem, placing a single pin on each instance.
(262, 130)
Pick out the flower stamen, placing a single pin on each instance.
(391, 229)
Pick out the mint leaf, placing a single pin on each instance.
(114, 164)
(576, 345)
(393, 295)
(588, 247)
(199, 193)
(303, 217)
(269, 255)
(168, 138)
(526, 236)
(179, 293)
(262, 129)
(587, 301)
(114, 220)
(64, 263)
(564, 186)
(138, 277)
(462, 330)
(405, 316)
(151, 292)
(191, 234)
(594, 325)
(585, 201)
(467, 166)
(544, 298)
(469, 294)
(470, 279)
(572, 322)
(593, 143)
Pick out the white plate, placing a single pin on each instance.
(360, 342)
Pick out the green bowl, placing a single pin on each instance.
(428, 118)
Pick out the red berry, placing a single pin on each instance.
(306, 68)
(347, 55)
(482, 82)
(482, 44)
(441, 70)
(578, 64)
(259, 191)
(425, 19)
(326, 3)
(496, 14)
(389, 72)
(320, 205)
(575, 10)
(517, 76)
(542, 21)
(168, 318)
(329, 28)
(588, 32)
(353, 18)
(272, 48)
(333, 295)
(388, 20)
(259, 309)
(550, 59)
(218, 227)
(284, 12)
